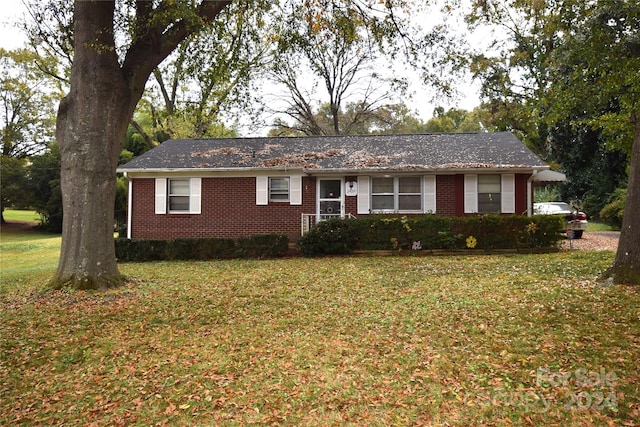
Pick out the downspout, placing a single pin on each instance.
(530, 192)
(129, 205)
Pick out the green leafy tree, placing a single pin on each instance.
(208, 74)
(334, 63)
(454, 120)
(514, 70)
(593, 170)
(12, 182)
(106, 82)
(389, 119)
(27, 119)
(599, 62)
(394, 119)
(43, 184)
(573, 66)
(334, 43)
(27, 102)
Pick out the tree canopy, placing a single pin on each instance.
(27, 121)
(333, 62)
(115, 50)
(26, 101)
(568, 74)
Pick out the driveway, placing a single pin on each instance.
(594, 241)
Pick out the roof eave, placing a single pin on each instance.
(203, 170)
(336, 171)
(435, 170)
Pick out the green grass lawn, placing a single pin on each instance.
(466, 340)
(26, 256)
(598, 226)
(21, 215)
(25, 260)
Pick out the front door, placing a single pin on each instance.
(329, 199)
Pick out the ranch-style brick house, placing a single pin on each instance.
(246, 186)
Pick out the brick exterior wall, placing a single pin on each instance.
(450, 194)
(351, 202)
(228, 208)
(521, 193)
(446, 195)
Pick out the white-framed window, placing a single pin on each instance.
(179, 191)
(382, 194)
(410, 194)
(489, 193)
(279, 189)
(396, 194)
(178, 195)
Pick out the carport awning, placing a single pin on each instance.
(549, 176)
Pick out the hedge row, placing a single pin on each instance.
(429, 232)
(260, 246)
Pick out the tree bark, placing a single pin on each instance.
(626, 267)
(91, 127)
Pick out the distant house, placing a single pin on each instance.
(247, 186)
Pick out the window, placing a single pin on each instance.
(409, 195)
(382, 197)
(179, 195)
(489, 193)
(396, 194)
(279, 189)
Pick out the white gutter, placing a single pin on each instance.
(400, 171)
(337, 171)
(192, 171)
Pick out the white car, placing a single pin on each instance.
(576, 220)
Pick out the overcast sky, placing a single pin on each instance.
(12, 11)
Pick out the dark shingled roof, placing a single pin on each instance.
(342, 153)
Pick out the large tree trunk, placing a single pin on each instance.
(626, 267)
(91, 126)
(92, 122)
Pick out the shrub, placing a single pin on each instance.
(432, 232)
(511, 231)
(613, 212)
(140, 250)
(261, 246)
(331, 237)
(543, 231)
(379, 232)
